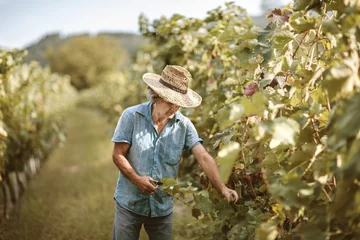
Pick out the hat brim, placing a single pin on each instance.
(189, 100)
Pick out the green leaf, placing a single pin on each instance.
(329, 26)
(301, 22)
(284, 131)
(300, 157)
(203, 202)
(267, 231)
(231, 82)
(227, 36)
(311, 231)
(279, 210)
(167, 182)
(236, 112)
(315, 109)
(255, 104)
(229, 114)
(275, 67)
(224, 209)
(348, 122)
(339, 80)
(300, 5)
(226, 159)
(271, 164)
(282, 37)
(352, 166)
(305, 74)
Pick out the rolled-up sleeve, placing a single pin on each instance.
(124, 128)
(192, 137)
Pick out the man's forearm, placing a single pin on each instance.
(211, 170)
(124, 166)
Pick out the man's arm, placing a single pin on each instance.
(142, 182)
(208, 164)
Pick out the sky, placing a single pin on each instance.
(23, 22)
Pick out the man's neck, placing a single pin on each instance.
(158, 118)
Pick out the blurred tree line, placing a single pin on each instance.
(88, 60)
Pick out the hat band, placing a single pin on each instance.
(166, 84)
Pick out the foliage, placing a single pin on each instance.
(297, 169)
(111, 96)
(33, 103)
(121, 89)
(280, 109)
(130, 42)
(88, 60)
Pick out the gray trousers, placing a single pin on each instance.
(127, 225)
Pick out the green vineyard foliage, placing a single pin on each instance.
(33, 103)
(280, 111)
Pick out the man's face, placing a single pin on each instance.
(168, 109)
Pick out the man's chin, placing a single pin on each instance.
(171, 116)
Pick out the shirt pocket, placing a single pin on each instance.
(173, 154)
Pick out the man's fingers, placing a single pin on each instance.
(231, 196)
(150, 188)
(150, 192)
(236, 196)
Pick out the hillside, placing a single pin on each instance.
(37, 52)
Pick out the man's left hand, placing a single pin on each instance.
(230, 195)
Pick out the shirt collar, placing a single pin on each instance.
(145, 110)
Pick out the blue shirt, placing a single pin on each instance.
(151, 154)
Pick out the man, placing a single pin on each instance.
(149, 140)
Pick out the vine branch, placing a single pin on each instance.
(297, 48)
(317, 139)
(242, 143)
(327, 195)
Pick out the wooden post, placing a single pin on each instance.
(20, 178)
(5, 197)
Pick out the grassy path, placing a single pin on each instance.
(71, 197)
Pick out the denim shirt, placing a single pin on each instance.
(151, 154)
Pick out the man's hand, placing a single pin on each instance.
(142, 182)
(230, 195)
(145, 185)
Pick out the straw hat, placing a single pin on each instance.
(172, 86)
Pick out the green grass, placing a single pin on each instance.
(72, 196)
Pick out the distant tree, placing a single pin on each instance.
(88, 60)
